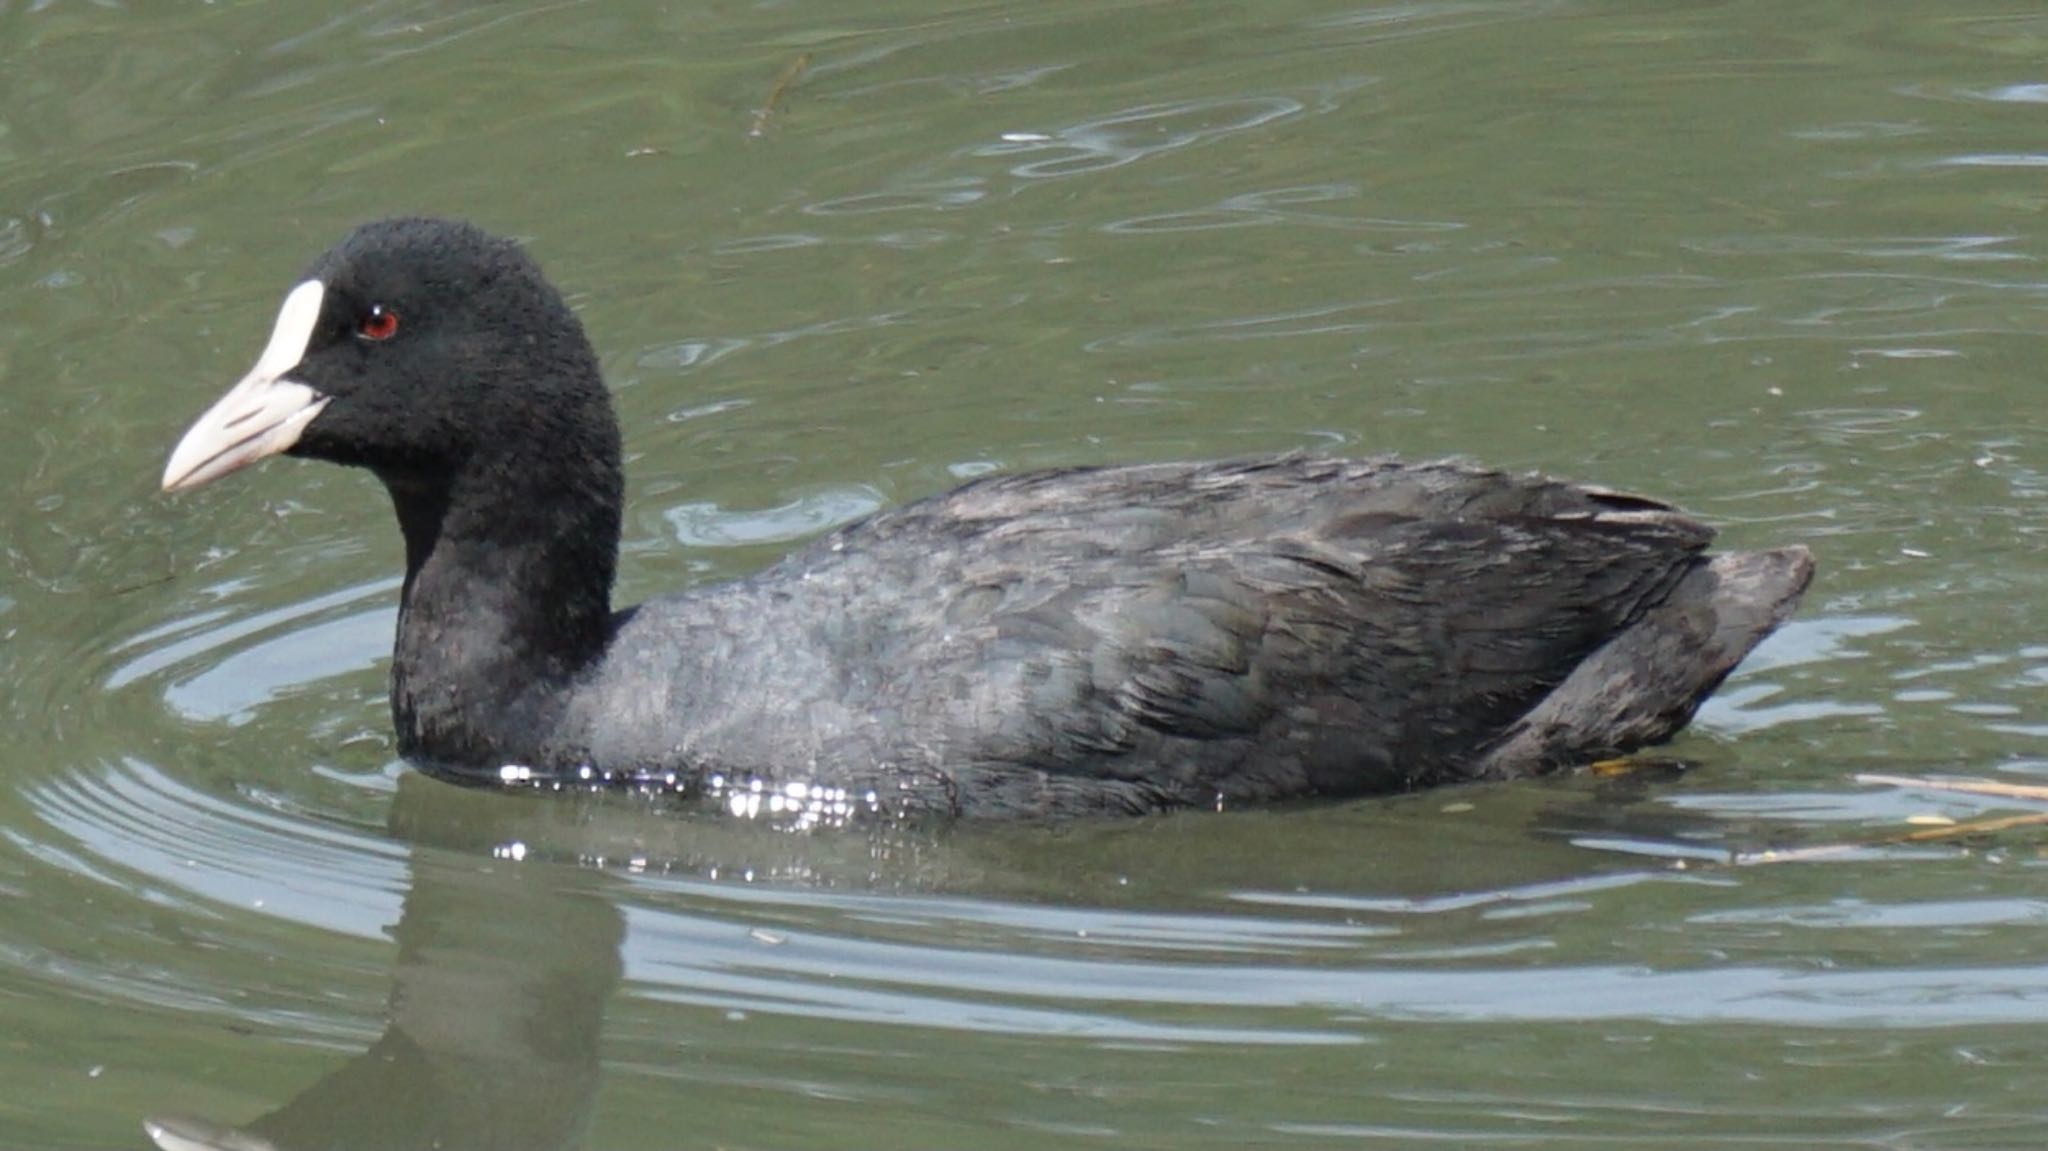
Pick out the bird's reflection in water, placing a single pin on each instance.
(507, 959)
(496, 1011)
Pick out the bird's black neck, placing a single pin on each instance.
(507, 600)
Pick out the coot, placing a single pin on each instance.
(1082, 640)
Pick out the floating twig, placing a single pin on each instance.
(783, 83)
(1943, 827)
(1974, 827)
(1990, 787)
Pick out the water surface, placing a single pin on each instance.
(1780, 263)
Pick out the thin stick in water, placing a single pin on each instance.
(783, 83)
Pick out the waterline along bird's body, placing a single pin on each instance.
(1088, 640)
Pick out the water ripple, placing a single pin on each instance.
(157, 831)
(1277, 206)
(314, 640)
(1327, 319)
(1134, 134)
(938, 196)
(711, 526)
(706, 962)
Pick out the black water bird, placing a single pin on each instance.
(1083, 640)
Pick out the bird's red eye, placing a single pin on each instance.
(379, 323)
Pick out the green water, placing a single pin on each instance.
(1781, 263)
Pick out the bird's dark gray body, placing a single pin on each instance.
(1134, 638)
(1117, 639)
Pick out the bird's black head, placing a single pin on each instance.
(438, 357)
(428, 351)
